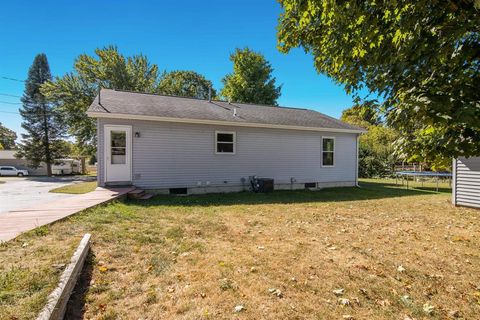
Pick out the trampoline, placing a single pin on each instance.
(405, 175)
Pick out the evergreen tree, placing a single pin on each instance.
(251, 80)
(42, 142)
(7, 137)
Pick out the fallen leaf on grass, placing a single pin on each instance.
(339, 292)
(406, 299)
(460, 238)
(428, 308)
(102, 269)
(476, 294)
(383, 303)
(276, 292)
(239, 308)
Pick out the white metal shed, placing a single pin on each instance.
(466, 182)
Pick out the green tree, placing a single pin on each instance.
(43, 140)
(422, 57)
(251, 80)
(185, 84)
(73, 93)
(376, 151)
(362, 114)
(7, 137)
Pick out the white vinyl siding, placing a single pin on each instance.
(171, 155)
(466, 186)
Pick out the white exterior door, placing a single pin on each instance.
(118, 153)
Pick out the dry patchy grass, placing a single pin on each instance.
(198, 257)
(77, 188)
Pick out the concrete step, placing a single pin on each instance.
(136, 194)
(146, 196)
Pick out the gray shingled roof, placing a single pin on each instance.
(131, 103)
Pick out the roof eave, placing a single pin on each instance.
(94, 114)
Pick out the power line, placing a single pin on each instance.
(39, 113)
(19, 80)
(12, 79)
(12, 112)
(10, 102)
(9, 95)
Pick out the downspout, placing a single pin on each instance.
(356, 166)
(454, 181)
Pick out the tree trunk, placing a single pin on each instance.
(48, 158)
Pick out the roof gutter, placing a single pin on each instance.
(215, 122)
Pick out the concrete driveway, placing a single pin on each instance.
(27, 192)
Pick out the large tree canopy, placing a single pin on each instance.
(421, 57)
(74, 92)
(251, 80)
(7, 137)
(362, 114)
(185, 84)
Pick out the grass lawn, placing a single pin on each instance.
(387, 252)
(76, 188)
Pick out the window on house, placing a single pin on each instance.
(224, 142)
(328, 152)
(118, 147)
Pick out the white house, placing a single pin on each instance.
(466, 182)
(166, 143)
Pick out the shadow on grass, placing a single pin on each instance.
(367, 191)
(76, 304)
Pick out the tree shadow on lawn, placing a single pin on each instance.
(367, 191)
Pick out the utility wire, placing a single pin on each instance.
(18, 80)
(9, 95)
(50, 113)
(12, 79)
(9, 112)
(10, 102)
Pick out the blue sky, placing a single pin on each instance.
(181, 34)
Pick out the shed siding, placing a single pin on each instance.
(100, 154)
(169, 155)
(467, 182)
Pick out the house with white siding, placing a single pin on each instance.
(466, 182)
(166, 144)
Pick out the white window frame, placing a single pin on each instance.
(334, 151)
(234, 142)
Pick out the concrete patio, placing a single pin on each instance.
(15, 222)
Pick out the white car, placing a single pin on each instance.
(12, 171)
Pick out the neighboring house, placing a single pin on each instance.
(7, 158)
(466, 182)
(169, 143)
